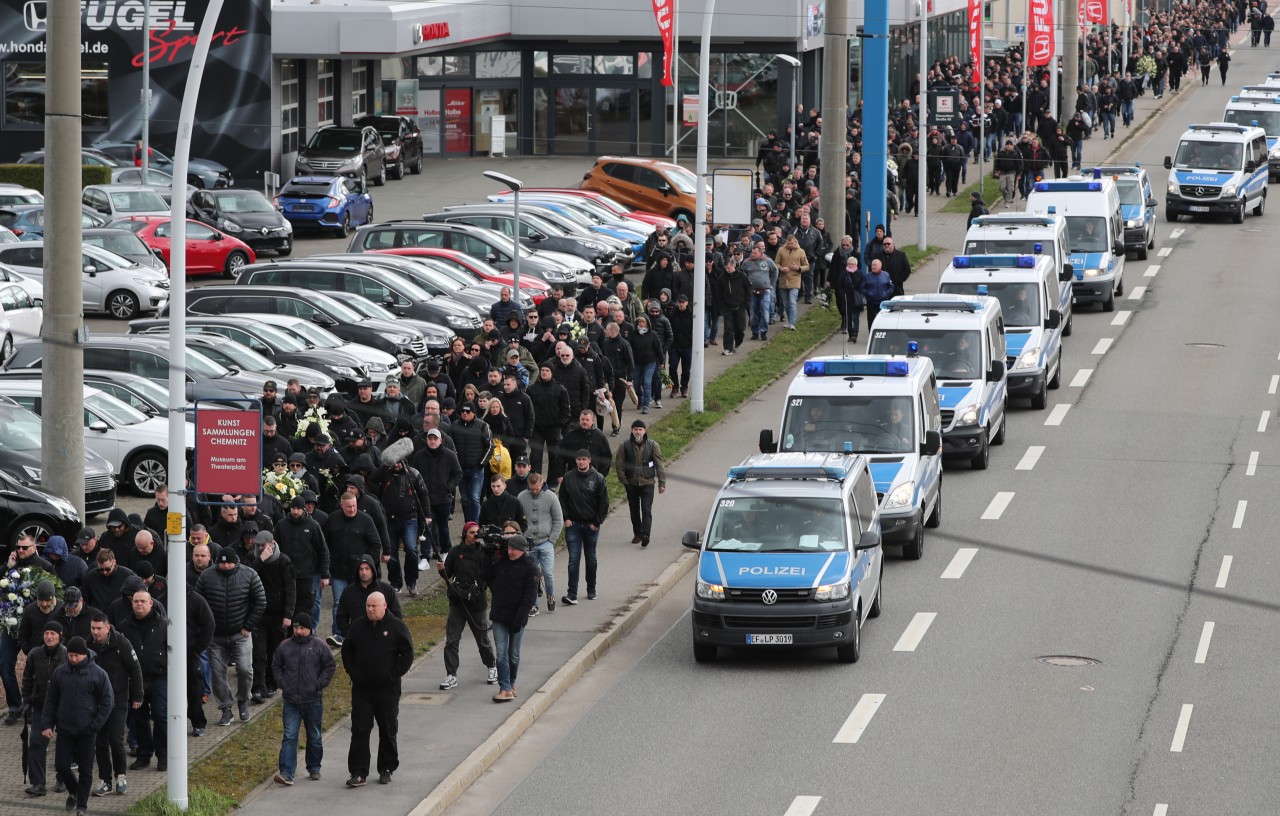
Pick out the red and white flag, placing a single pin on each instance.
(975, 39)
(663, 11)
(1093, 11)
(1040, 44)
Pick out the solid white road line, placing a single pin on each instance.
(959, 562)
(997, 506)
(1137, 292)
(859, 718)
(803, 806)
(1206, 634)
(1103, 345)
(1121, 318)
(1180, 733)
(1253, 464)
(1176, 234)
(1238, 521)
(1029, 459)
(915, 632)
(1165, 252)
(1081, 377)
(1262, 423)
(1161, 810)
(1223, 572)
(1275, 383)
(1152, 271)
(1058, 414)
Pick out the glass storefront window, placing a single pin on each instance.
(539, 63)
(571, 64)
(430, 66)
(618, 64)
(644, 65)
(457, 66)
(24, 95)
(541, 138)
(497, 64)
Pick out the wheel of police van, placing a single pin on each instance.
(877, 605)
(1109, 305)
(1068, 328)
(1237, 217)
(1120, 285)
(998, 439)
(913, 550)
(1171, 215)
(1142, 252)
(1262, 204)
(851, 651)
(935, 518)
(983, 457)
(1040, 399)
(704, 652)
(1056, 382)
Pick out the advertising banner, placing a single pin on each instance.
(1040, 44)
(228, 452)
(663, 11)
(1093, 11)
(457, 120)
(975, 39)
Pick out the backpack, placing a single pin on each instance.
(500, 459)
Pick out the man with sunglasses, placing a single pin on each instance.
(896, 263)
(270, 403)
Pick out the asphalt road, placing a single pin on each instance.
(1135, 536)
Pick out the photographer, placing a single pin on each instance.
(466, 571)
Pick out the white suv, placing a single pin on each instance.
(112, 283)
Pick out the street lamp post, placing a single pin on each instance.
(514, 185)
(795, 72)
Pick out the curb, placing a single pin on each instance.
(479, 760)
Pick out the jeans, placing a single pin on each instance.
(790, 297)
(507, 643)
(9, 671)
(711, 319)
(150, 720)
(1108, 123)
(76, 749)
(1126, 111)
(337, 586)
(581, 538)
(472, 484)
(403, 531)
(545, 553)
(1077, 147)
(226, 649)
(110, 746)
(640, 502)
(680, 360)
(644, 378)
(761, 308)
(295, 715)
(315, 601)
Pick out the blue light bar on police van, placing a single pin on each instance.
(1069, 186)
(789, 471)
(993, 262)
(855, 368)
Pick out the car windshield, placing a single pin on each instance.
(280, 339)
(367, 308)
(955, 354)
(113, 410)
(20, 198)
(442, 268)
(1268, 119)
(1087, 233)
(684, 181)
(1198, 155)
(1019, 302)
(1130, 191)
(1005, 246)
(137, 201)
(121, 243)
(234, 354)
(202, 365)
(570, 214)
(150, 390)
(19, 429)
(243, 201)
(782, 524)
(335, 140)
(389, 136)
(109, 259)
(871, 424)
(131, 224)
(314, 335)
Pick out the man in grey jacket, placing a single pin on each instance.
(762, 277)
(546, 521)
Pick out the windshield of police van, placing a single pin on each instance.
(1087, 233)
(777, 525)
(1130, 191)
(1198, 155)
(1005, 246)
(1019, 302)
(870, 424)
(1267, 119)
(955, 354)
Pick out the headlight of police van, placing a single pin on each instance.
(1029, 359)
(900, 496)
(835, 592)
(710, 592)
(968, 415)
(1131, 223)
(1275, 152)
(1229, 189)
(1092, 273)
(1173, 187)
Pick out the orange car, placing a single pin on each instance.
(646, 184)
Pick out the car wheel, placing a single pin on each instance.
(1237, 217)
(1262, 205)
(34, 526)
(196, 182)
(344, 229)
(1067, 329)
(999, 438)
(851, 651)
(146, 472)
(1171, 215)
(6, 348)
(1109, 305)
(1142, 252)
(983, 456)
(914, 549)
(877, 606)
(705, 652)
(1056, 382)
(397, 171)
(381, 178)
(1120, 286)
(234, 264)
(368, 218)
(935, 518)
(1040, 399)
(122, 305)
(416, 167)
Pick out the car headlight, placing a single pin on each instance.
(1029, 358)
(1131, 223)
(343, 371)
(900, 496)
(227, 226)
(1173, 187)
(458, 320)
(147, 282)
(834, 592)
(1092, 273)
(287, 229)
(437, 338)
(402, 340)
(710, 592)
(302, 161)
(1229, 189)
(968, 415)
(33, 473)
(67, 509)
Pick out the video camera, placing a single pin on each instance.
(492, 540)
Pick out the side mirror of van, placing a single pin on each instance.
(1151, 203)
(767, 445)
(932, 443)
(1068, 272)
(690, 540)
(1117, 248)
(868, 541)
(1168, 162)
(996, 372)
(1054, 320)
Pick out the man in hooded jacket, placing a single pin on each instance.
(78, 701)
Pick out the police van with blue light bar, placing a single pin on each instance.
(1219, 169)
(964, 337)
(1259, 105)
(1137, 206)
(1030, 294)
(1095, 233)
(791, 556)
(1019, 233)
(885, 408)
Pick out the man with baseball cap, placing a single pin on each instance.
(466, 571)
(515, 595)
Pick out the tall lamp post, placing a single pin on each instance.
(795, 73)
(514, 185)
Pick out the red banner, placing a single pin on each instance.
(975, 39)
(228, 452)
(1040, 45)
(1093, 11)
(457, 120)
(662, 12)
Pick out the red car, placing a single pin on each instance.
(209, 251)
(531, 286)
(609, 204)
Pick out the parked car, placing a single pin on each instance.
(112, 284)
(438, 337)
(627, 242)
(201, 173)
(89, 156)
(474, 268)
(585, 212)
(236, 357)
(608, 202)
(24, 505)
(126, 244)
(646, 184)
(209, 251)
(402, 141)
(355, 152)
(326, 202)
(244, 214)
(376, 362)
(7, 236)
(134, 390)
(17, 194)
(158, 180)
(27, 220)
(536, 232)
(435, 278)
(33, 288)
(20, 317)
(123, 200)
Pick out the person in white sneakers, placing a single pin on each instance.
(466, 571)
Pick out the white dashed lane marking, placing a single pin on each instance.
(1180, 732)
(1161, 810)
(1206, 634)
(1275, 382)
(1137, 293)
(1253, 464)
(1238, 521)
(1081, 377)
(997, 507)
(1029, 459)
(803, 806)
(859, 718)
(1262, 423)
(1223, 572)
(1176, 234)
(1121, 318)
(1152, 271)
(959, 563)
(1103, 345)
(1165, 252)
(915, 632)
(1058, 414)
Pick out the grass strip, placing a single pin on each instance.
(990, 193)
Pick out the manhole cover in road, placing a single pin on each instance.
(1206, 345)
(1068, 661)
(424, 698)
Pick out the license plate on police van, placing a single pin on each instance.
(769, 640)
(1198, 209)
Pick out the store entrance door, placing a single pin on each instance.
(593, 120)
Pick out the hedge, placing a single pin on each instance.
(32, 175)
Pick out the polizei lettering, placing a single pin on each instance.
(771, 570)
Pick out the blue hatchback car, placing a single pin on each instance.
(27, 220)
(326, 202)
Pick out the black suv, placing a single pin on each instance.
(243, 214)
(401, 140)
(354, 152)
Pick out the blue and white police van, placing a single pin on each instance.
(964, 337)
(1219, 169)
(791, 556)
(1137, 206)
(1095, 233)
(885, 408)
(1029, 291)
(1259, 105)
(1017, 233)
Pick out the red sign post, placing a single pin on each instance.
(228, 452)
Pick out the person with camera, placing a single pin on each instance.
(514, 583)
(466, 571)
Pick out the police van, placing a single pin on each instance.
(964, 337)
(1027, 234)
(1261, 108)
(791, 556)
(1095, 233)
(1027, 287)
(1219, 169)
(885, 408)
(1137, 206)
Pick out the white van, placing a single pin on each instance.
(1020, 233)
(1095, 233)
(1219, 169)
(1263, 110)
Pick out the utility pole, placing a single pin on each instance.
(146, 91)
(675, 81)
(1070, 46)
(922, 143)
(698, 366)
(835, 115)
(62, 421)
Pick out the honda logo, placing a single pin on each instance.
(36, 15)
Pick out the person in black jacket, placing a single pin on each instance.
(351, 607)
(76, 616)
(617, 352)
(465, 572)
(300, 538)
(518, 407)
(236, 597)
(117, 658)
(41, 662)
(304, 667)
(735, 295)
(515, 594)
(442, 474)
(584, 499)
(368, 504)
(280, 585)
(36, 615)
(78, 702)
(377, 654)
(680, 355)
(148, 632)
(501, 506)
(350, 534)
(586, 435)
(200, 627)
(403, 494)
(551, 412)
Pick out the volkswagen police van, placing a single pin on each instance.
(791, 556)
(1095, 233)
(1137, 206)
(1027, 288)
(964, 337)
(1261, 108)
(885, 408)
(1219, 169)
(1016, 233)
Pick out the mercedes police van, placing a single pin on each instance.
(1219, 169)
(1261, 108)
(1028, 288)
(964, 337)
(791, 556)
(1137, 206)
(1095, 233)
(885, 408)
